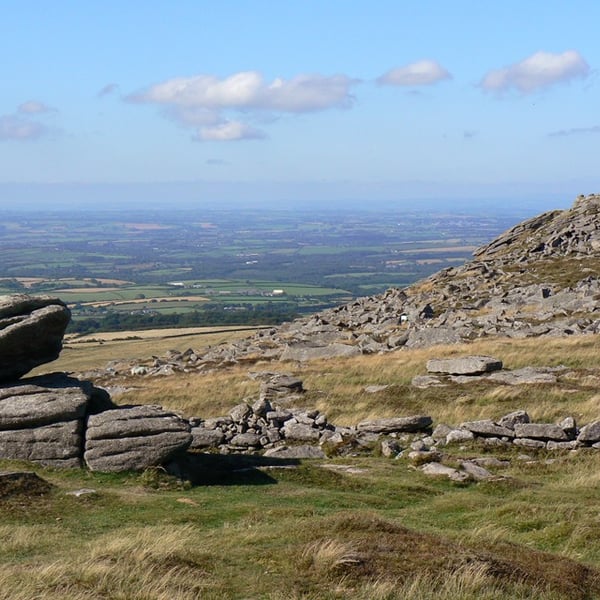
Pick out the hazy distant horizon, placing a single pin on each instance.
(520, 199)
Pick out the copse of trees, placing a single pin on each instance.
(214, 315)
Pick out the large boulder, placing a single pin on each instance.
(134, 438)
(396, 425)
(465, 365)
(31, 333)
(41, 419)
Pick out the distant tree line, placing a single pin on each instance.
(260, 314)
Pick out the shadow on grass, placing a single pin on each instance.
(230, 469)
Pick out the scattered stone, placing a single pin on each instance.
(297, 452)
(206, 438)
(396, 424)
(280, 385)
(390, 448)
(540, 431)
(240, 412)
(467, 365)
(435, 469)
(488, 428)
(459, 436)
(569, 426)
(529, 443)
(261, 407)
(525, 376)
(347, 469)
(514, 418)
(570, 445)
(440, 432)
(374, 389)
(300, 432)
(590, 433)
(494, 442)
(303, 352)
(82, 492)
(475, 471)
(245, 440)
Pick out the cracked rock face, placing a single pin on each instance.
(134, 438)
(31, 333)
(42, 419)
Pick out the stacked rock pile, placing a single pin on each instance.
(60, 421)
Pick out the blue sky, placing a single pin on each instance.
(385, 100)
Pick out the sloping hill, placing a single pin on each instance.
(540, 278)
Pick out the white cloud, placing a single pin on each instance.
(33, 107)
(537, 71)
(306, 93)
(206, 102)
(248, 90)
(15, 128)
(422, 72)
(575, 131)
(228, 131)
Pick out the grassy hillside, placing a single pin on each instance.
(336, 386)
(362, 527)
(380, 531)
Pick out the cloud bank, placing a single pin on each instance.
(14, 128)
(538, 71)
(422, 72)
(203, 101)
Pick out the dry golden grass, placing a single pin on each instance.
(336, 387)
(96, 351)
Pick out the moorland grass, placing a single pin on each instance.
(336, 387)
(387, 532)
(244, 531)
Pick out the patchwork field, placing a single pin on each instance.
(120, 271)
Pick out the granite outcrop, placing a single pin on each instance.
(31, 333)
(60, 421)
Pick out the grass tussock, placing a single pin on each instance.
(388, 532)
(371, 552)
